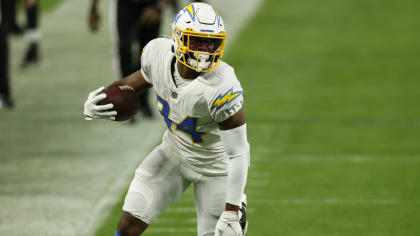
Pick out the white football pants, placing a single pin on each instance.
(161, 179)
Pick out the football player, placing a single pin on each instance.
(205, 144)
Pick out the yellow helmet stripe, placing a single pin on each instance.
(218, 18)
(190, 9)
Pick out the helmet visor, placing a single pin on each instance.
(200, 42)
(203, 44)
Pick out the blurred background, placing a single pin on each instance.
(331, 97)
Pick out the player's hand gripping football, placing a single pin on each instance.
(228, 225)
(94, 111)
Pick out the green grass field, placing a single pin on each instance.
(331, 93)
(45, 5)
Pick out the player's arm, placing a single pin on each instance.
(234, 139)
(94, 111)
(135, 80)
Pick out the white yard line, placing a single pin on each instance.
(180, 209)
(175, 220)
(337, 159)
(171, 230)
(260, 183)
(331, 201)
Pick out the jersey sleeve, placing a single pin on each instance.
(226, 100)
(146, 63)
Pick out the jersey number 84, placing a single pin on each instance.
(188, 125)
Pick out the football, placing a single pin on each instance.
(126, 101)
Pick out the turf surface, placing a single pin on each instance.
(331, 93)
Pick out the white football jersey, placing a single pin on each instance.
(192, 112)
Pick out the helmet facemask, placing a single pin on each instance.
(199, 51)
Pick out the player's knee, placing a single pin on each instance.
(130, 225)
